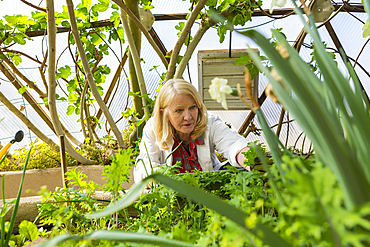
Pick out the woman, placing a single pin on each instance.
(180, 120)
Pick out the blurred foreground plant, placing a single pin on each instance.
(7, 236)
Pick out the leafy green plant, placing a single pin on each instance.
(46, 157)
(65, 208)
(43, 157)
(28, 232)
(118, 172)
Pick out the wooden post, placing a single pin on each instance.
(63, 159)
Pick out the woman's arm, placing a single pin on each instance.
(150, 154)
(228, 142)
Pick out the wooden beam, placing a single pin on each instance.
(182, 16)
(340, 48)
(251, 115)
(159, 42)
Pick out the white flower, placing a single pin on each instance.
(218, 89)
(278, 3)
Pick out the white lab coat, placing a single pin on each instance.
(218, 136)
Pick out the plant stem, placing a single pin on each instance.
(16, 205)
(194, 14)
(89, 76)
(52, 83)
(136, 60)
(143, 29)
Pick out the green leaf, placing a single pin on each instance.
(28, 230)
(63, 72)
(70, 109)
(238, 20)
(115, 18)
(242, 60)
(101, 6)
(121, 33)
(97, 39)
(5, 210)
(72, 85)
(366, 29)
(118, 172)
(20, 38)
(180, 232)
(221, 31)
(16, 59)
(180, 26)
(12, 20)
(72, 97)
(22, 89)
(100, 90)
(211, 3)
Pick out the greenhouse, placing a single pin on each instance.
(184, 123)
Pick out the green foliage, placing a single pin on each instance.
(314, 64)
(166, 213)
(29, 230)
(149, 103)
(22, 89)
(64, 208)
(180, 26)
(43, 156)
(146, 4)
(240, 12)
(314, 200)
(118, 172)
(313, 210)
(13, 28)
(334, 103)
(46, 157)
(63, 72)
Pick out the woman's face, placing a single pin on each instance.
(182, 114)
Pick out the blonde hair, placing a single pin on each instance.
(162, 127)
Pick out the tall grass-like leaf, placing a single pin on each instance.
(130, 197)
(318, 114)
(367, 6)
(4, 207)
(16, 205)
(118, 236)
(209, 200)
(273, 142)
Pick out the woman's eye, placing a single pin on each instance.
(178, 110)
(192, 107)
